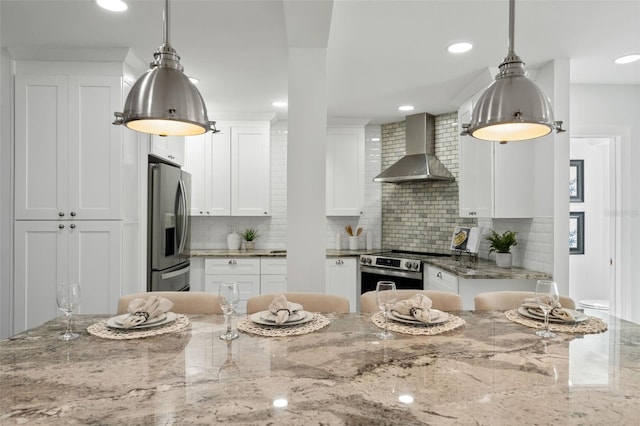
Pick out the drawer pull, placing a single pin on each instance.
(232, 262)
(439, 275)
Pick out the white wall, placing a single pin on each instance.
(614, 110)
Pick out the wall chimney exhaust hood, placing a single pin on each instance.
(420, 162)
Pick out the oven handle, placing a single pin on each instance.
(390, 272)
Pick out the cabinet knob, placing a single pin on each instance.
(439, 275)
(339, 262)
(232, 262)
(208, 213)
(73, 214)
(266, 213)
(61, 226)
(61, 214)
(72, 226)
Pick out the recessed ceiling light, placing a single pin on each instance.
(194, 80)
(406, 108)
(460, 47)
(627, 59)
(112, 5)
(279, 104)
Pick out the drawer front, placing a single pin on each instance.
(248, 286)
(273, 266)
(438, 279)
(232, 266)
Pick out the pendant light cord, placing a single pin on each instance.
(512, 18)
(166, 22)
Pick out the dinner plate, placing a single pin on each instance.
(122, 318)
(579, 316)
(434, 315)
(258, 319)
(116, 322)
(293, 316)
(441, 318)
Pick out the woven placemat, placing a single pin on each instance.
(590, 326)
(419, 330)
(100, 329)
(248, 326)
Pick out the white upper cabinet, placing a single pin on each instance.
(231, 171)
(68, 155)
(496, 180)
(345, 171)
(170, 148)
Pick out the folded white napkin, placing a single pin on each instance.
(416, 306)
(557, 312)
(281, 308)
(141, 310)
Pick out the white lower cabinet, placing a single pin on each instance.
(342, 278)
(244, 271)
(437, 279)
(49, 252)
(273, 276)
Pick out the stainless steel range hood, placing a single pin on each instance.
(420, 162)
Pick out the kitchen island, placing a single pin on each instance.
(491, 371)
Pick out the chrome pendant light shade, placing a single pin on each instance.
(164, 101)
(513, 108)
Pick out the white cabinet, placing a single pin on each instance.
(437, 279)
(68, 155)
(342, 278)
(48, 252)
(345, 171)
(231, 171)
(170, 148)
(496, 180)
(244, 271)
(273, 276)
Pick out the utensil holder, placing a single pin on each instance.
(353, 243)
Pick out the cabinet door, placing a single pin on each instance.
(197, 162)
(250, 171)
(341, 276)
(345, 171)
(218, 176)
(437, 279)
(95, 148)
(476, 171)
(273, 284)
(41, 146)
(170, 148)
(95, 262)
(248, 286)
(41, 259)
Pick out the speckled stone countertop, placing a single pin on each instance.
(488, 372)
(462, 267)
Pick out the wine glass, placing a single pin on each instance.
(385, 297)
(547, 298)
(68, 298)
(228, 296)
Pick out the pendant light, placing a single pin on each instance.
(513, 108)
(164, 101)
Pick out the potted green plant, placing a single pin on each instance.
(249, 235)
(501, 244)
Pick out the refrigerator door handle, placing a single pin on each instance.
(184, 218)
(176, 273)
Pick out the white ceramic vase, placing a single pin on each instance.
(503, 260)
(234, 241)
(353, 242)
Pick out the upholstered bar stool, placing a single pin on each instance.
(505, 300)
(442, 300)
(184, 302)
(312, 302)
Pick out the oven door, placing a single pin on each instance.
(369, 277)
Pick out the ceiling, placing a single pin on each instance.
(380, 54)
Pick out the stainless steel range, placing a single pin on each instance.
(405, 268)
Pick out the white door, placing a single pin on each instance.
(250, 171)
(41, 259)
(96, 263)
(95, 148)
(41, 147)
(341, 276)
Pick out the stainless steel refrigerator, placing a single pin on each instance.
(168, 228)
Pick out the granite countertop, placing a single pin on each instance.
(490, 371)
(462, 267)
